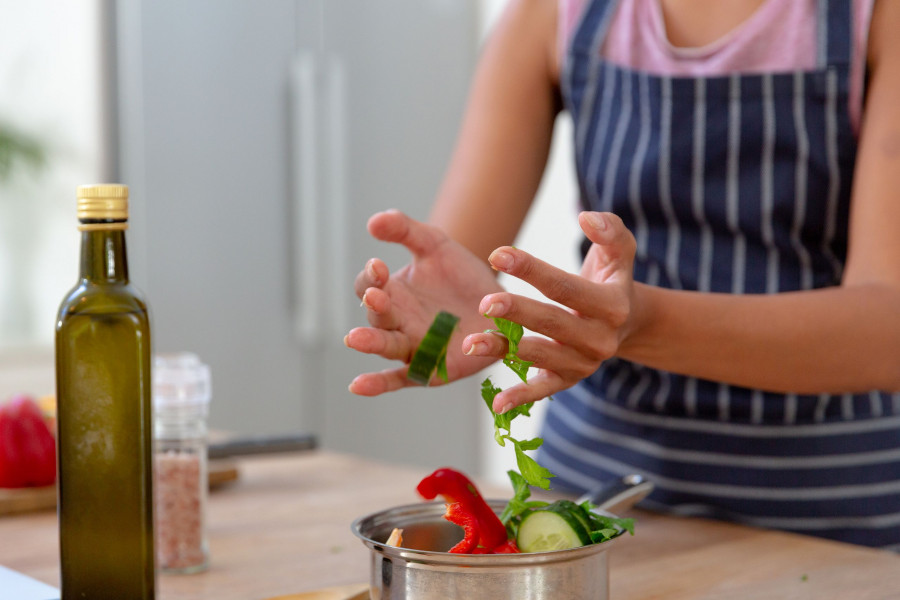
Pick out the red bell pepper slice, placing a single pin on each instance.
(456, 488)
(27, 447)
(509, 547)
(458, 515)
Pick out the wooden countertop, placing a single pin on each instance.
(284, 528)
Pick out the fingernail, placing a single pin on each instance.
(364, 303)
(596, 220)
(506, 408)
(496, 309)
(501, 260)
(347, 340)
(370, 271)
(476, 348)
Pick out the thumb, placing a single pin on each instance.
(613, 245)
(397, 227)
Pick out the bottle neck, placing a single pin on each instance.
(103, 256)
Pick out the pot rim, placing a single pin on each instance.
(435, 508)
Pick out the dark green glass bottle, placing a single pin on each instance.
(103, 390)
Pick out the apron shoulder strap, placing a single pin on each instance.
(592, 26)
(835, 32)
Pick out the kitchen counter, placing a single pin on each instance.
(284, 527)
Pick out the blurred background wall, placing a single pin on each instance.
(68, 84)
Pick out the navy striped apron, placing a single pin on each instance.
(741, 184)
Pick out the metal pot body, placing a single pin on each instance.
(424, 570)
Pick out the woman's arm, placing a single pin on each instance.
(834, 340)
(506, 132)
(489, 186)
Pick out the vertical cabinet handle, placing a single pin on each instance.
(305, 191)
(337, 226)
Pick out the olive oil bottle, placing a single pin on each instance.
(103, 390)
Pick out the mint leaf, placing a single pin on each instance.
(530, 472)
(533, 473)
(532, 444)
(501, 421)
(513, 333)
(600, 522)
(604, 535)
(518, 506)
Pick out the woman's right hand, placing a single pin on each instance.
(443, 275)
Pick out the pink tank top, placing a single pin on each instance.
(779, 36)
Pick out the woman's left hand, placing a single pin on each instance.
(596, 315)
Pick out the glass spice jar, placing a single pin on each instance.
(181, 394)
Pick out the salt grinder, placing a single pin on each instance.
(181, 395)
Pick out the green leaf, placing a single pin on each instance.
(530, 472)
(518, 505)
(520, 486)
(600, 522)
(533, 473)
(518, 366)
(501, 421)
(532, 444)
(604, 535)
(513, 333)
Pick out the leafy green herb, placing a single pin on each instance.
(518, 505)
(531, 471)
(504, 420)
(605, 528)
(513, 333)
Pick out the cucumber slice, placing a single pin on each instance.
(431, 354)
(549, 529)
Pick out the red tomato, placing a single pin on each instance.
(27, 446)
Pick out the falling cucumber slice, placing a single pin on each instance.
(431, 355)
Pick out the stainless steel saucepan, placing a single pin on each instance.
(423, 569)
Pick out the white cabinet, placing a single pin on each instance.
(257, 138)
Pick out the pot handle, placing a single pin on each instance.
(620, 494)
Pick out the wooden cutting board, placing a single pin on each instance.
(22, 500)
(344, 592)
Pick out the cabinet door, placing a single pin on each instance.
(392, 79)
(257, 138)
(202, 144)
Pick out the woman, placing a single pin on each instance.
(734, 332)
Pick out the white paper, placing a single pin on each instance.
(16, 586)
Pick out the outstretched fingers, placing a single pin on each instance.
(395, 226)
(374, 384)
(392, 345)
(374, 274)
(541, 385)
(611, 256)
(380, 311)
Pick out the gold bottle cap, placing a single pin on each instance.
(103, 202)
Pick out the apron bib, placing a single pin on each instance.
(738, 184)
